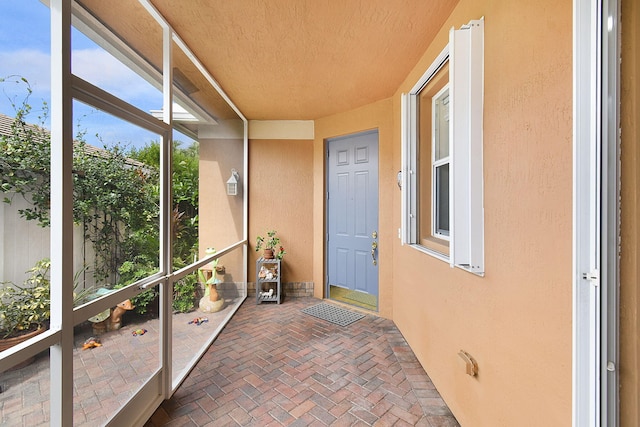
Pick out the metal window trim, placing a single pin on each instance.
(61, 249)
(610, 341)
(66, 87)
(466, 228)
(95, 97)
(466, 132)
(596, 180)
(410, 151)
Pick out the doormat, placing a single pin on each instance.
(333, 314)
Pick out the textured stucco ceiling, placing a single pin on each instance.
(297, 59)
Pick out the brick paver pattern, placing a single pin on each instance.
(104, 378)
(273, 365)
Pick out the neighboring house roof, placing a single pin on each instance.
(5, 124)
(5, 129)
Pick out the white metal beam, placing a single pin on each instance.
(61, 359)
(166, 253)
(595, 212)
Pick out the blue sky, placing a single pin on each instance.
(25, 51)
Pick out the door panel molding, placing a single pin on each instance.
(352, 212)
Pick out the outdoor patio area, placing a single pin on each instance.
(107, 376)
(271, 365)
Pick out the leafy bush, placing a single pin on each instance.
(130, 272)
(27, 307)
(184, 294)
(115, 200)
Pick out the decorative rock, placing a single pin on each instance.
(208, 306)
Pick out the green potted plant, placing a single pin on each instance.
(25, 310)
(271, 244)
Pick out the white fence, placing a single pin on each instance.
(23, 243)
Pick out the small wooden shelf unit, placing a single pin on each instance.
(268, 287)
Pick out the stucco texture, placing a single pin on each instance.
(281, 199)
(516, 320)
(630, 215)
(220, 215)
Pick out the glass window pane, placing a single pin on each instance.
(201, 303)
(114, 357)
(441, 125)
(186, 199)
(432, 146)
(26, 393)
(442, 199)
(116, 202)
(102, 60)
(25, 146)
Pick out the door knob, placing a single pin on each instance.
(374, 246)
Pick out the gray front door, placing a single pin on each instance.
(352, 212)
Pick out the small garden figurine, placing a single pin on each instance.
(211, 301)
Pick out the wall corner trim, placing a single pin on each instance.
(281, 129)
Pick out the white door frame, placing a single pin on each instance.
(328, 218)
(595, 212)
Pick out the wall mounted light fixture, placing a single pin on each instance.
(232, 183)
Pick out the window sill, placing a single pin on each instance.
(440, 246)
(433, 248)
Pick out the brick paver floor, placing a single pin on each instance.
(273, 365)
(105, 377)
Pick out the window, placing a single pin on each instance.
(442, 177)
(440, 164)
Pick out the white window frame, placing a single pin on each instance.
(596, 210)
(465, 53)
(437, 163)
(65, 88)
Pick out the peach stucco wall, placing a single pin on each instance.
(280, 198)
(516, 320)
(374, 116)
(220, 215)
(630, 217)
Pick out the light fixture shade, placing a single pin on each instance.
(232, 183)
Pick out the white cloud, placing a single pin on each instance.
(103, 70)
(94, 65)
(31, 64)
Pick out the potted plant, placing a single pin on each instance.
(25, 310)
(271, 243)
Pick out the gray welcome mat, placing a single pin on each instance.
(333, 314)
